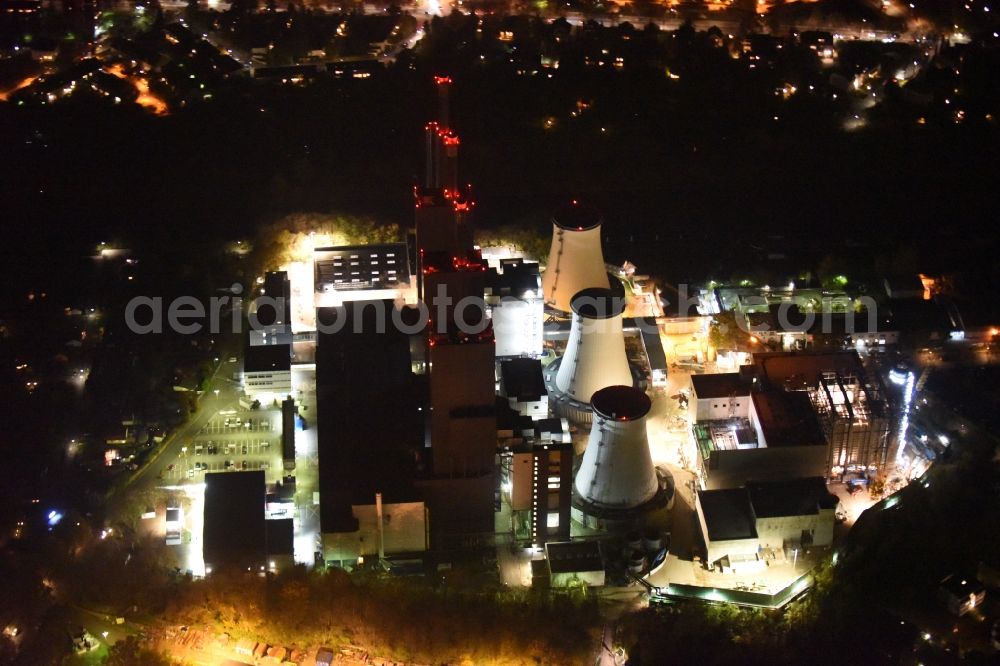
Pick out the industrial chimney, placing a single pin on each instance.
(616, 481)
(576, 261)
(595, 354)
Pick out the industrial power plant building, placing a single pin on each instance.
(236, 534)
(271, 313)
(369, 430)
(743, 527)
(267, 371)
(744, 435)
(361, 272)
(790, 414)
(514, 301)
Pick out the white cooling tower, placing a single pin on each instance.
(617, 471)
(595, 354)
(576, 261)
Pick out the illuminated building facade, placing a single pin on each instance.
(267, 371)
(538, 479)
(740, 525)
(850, 403)
(514, 303)
(361, 272)
(789, 415)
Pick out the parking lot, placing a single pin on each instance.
(231, 442)
(229, 447)
(237, 423)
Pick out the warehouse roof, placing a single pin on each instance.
(264, 358)
(234, 517)
(719, 385)
(279, 536)
(727, 514)
(787, 418)
(792, 497)
(521, 378)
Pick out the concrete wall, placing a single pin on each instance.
(522, 490)
(735, 547)
(775, 532)
(714, 409)
(271, 383)
(716, 550)
(458, 507)
(823, 536)
(404, 530)
(404, 527)
(517, 326)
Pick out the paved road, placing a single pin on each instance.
(209, 404)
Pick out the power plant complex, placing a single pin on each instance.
(503, 404)
(468, 401)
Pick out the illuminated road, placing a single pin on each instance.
(21, 84)
(210, 403)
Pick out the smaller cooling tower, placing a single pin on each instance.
(576, 261)
(595, 354)
(616, 472)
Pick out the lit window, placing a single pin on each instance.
(553, 519)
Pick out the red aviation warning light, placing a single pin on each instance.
(440, 184)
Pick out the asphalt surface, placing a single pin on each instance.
(209, 404)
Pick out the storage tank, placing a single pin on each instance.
(652, 540)
(576, 260)
(595, 353)
(616, 472)
(636, 561)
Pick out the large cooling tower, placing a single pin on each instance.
(616, 472)
(595, 354)
(576, 261)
